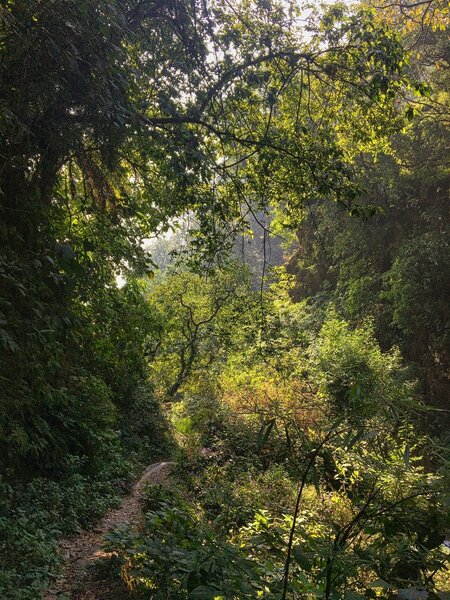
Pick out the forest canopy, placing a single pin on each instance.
(152, 153)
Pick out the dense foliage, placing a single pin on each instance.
(123, 122)
(391, 267)
(300, 471)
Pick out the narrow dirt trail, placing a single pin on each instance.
(80, 553)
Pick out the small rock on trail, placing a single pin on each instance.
(80, 552)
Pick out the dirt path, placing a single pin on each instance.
(80, 553)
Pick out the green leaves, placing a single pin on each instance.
(409, 113)
(183, 425)
(204, 593)
(135, 122)
(64, 251)
(264, 433)
(302, 557)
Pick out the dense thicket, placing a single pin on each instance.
(392, 267)
(127, 126)
(300, 472)
(121, 119)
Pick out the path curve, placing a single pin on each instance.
(81, 551)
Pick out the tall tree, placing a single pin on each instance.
(117, 116)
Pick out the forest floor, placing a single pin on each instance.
(86, 572)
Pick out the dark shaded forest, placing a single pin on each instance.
(224, 245)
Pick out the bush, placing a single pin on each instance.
(34, 517)
(34, 514)
(381, 530)
(355, 376)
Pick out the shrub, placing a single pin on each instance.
(354, 374)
